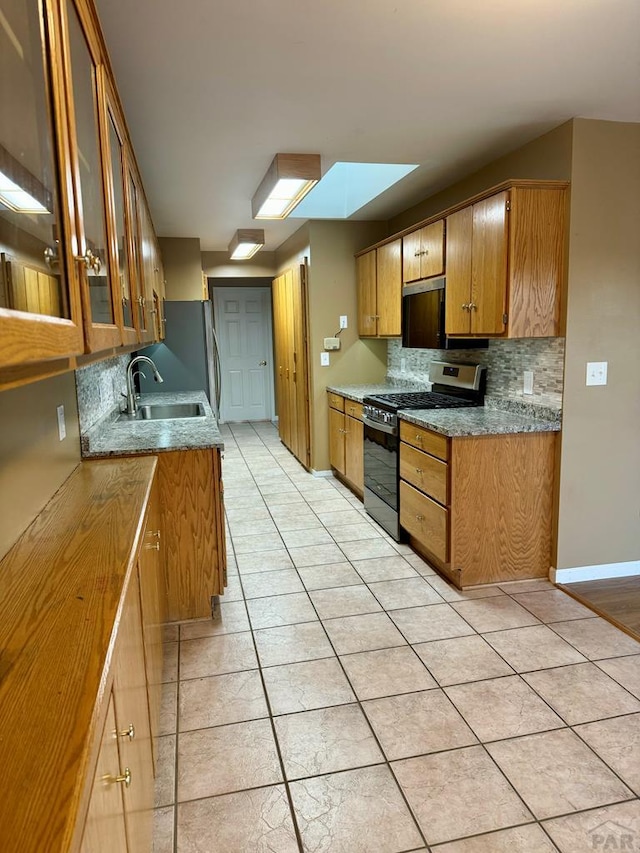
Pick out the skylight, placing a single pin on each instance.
(347, 187)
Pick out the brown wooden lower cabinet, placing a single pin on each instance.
(79, 614)
(485, 515)
(346, 440)
(192, 546)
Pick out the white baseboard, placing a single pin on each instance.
(328, 473)
(596, 573)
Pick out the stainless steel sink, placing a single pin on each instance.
(166, 412)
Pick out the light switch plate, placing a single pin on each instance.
(344, 323)
(62, 427)
(597, 372)
(324, 359)
(527, 382)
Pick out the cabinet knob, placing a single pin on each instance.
(418, 437)
(416, 254)
(130, 732)
(51, 257)
(465, 306)
(419, 517)
(126, 777)
(91, 261)
(473, 306)
(419, 471)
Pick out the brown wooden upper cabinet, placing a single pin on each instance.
(423, 253)
(379, 281)
(79, 262)
(504, 261)
(40, 308)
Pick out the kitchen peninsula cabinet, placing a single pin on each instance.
(346, 439)
(423, 253)
(478, 507)
(74, 701)
(504, 259)
(379, 282)
(78, 272)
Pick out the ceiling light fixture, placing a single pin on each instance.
(20, 191)
(246, 242)
(288, 180)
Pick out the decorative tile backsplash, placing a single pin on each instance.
(505, 360)
(98, 388)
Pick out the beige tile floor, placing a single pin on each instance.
(349, 700)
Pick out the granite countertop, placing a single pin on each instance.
(359, 392)
(494, 418)
(127, 438)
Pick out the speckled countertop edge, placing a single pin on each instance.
(479, 421)
(128, 438)
(359, 392)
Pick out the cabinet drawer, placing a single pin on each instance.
(336, 401)
(353, 409)
(426, 473)
(425, 439)
(426, 520)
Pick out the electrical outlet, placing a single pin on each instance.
(528, 382)
(62, 427)
(597, 372)
(324, 359)
(344, 322)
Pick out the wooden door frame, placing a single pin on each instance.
(216, 291)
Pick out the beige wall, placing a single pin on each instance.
(599, 499)
(218, 265)
(182, 267)
(546, 158)
(330, 247)
(33, 462)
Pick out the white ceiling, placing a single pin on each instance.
(212, 89)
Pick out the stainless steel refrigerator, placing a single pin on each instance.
(188, 358)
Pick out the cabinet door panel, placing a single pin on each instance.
(389, 289)
(104, 830)
(366, 281)
(336, 440)
(353, 450)
(432, 249)
(458, 289)
(36, 266)
(132, 709)
(411, 257)
(87, 151)
(489, 265)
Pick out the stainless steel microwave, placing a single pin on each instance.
(423, 307)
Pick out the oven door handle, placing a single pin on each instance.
(387, 428)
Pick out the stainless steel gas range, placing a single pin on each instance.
(454, 386)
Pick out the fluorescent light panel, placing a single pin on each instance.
(245, 243)
(346, 187)
(17, 199)
(288, 179)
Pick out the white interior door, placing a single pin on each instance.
(243, 323)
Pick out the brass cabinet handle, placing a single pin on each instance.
(51, 257)
(419, 471)
(473, 306)
(91, 261)
(465, 306)
(155, 546)
(126, 777)
(130, 732)
(418, 437)
(154, 533)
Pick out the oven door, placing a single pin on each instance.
(381, 473)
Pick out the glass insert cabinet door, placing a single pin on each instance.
(86, 146)
(34, 277)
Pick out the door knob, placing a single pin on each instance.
(262, 364)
